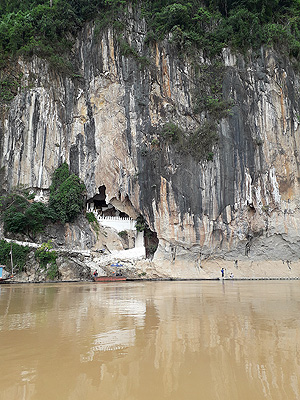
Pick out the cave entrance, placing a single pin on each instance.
(151, 243)
(110, 215)
(98, 204)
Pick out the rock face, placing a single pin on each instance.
(242, 205)
(70, 267)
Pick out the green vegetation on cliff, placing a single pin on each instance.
(214, 24)
(20, 254)
(21, 214)
(45, 255)
(46, 27)
(37, 26)
(90, 216)
(66, 195)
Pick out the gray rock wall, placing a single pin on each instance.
(241, 205)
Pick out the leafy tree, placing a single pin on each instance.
(66, 195)
(19, 254)
(23, 216)
(36, 215)
(13, 207)
(60, 175)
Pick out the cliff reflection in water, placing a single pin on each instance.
(159, 340)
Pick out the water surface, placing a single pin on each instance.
(151, 340)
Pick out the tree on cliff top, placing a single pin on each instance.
(45, 28)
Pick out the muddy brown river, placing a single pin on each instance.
(150, 341)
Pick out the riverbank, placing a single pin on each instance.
(210, 269)
(77, 266)
(18, 282)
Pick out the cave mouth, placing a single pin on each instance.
(98, 205)
(103, 209)
(151, 243)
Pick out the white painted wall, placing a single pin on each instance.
(118, 223)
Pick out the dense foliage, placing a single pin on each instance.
(45, 255)
(35, 25)
(21, 214)
(214, 24)
(19, 253)
(66, 194)
(46, 26)
(90, 216)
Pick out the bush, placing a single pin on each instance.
(93, 221)
(19, 254)
(45, 256)
(197, 143)
(123, 234)
(59, 176)
(66, 195)
(90, 216)
(22, 216)
(52, 271)
(172, 132)
(141, 224)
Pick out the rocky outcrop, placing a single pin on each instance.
(240, 205)
(69, 266)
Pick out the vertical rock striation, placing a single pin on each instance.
(241, 205)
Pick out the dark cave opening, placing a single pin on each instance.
(98, 204)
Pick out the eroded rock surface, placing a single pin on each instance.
(241, 205)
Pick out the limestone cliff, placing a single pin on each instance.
(240, 206)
